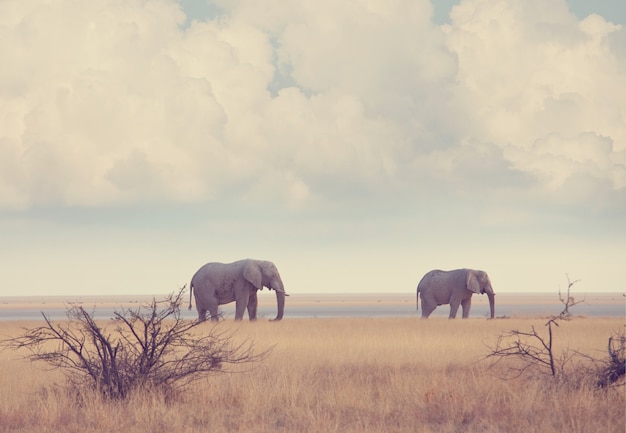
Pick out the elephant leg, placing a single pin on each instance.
(201, 314)
(454, 307)
(213, 312)
(240, 307)
(252, 306)
(466, 304)
(427, 308)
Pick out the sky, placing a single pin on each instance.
(357, 144)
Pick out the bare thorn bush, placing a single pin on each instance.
(150, 347)
(532, 350)
(529, 351)
(614, 367)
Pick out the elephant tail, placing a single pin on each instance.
(417, 298)
(190, 293)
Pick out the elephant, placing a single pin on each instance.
(221, 283)
(455, 288)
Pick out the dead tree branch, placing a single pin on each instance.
(533, 350)
(615, 365)
(149, 346)
(568, 300)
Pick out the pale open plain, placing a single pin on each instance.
(328, 305)
(338, 374)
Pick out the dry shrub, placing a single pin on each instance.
(150, 348)
(614, 366)
(534, 353)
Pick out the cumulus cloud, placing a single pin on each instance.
(533, 70)
(103, 103)
(543, 88)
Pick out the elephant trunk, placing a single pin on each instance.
(492, 304)
(280, 303)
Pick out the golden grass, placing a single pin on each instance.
(342, 375)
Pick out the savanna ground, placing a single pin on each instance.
(342, 375)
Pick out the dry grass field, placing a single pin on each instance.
(342, 375)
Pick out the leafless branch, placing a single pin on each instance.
(568, 300)
(532, 351)
(148, 346)
(615, 366)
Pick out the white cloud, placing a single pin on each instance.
(579, 170)
(542, 86)
(532, 69)
(106, 103)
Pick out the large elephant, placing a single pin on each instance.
(454, 288)
(221, 283)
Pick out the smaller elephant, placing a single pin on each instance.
(455, 288)
(216, 284)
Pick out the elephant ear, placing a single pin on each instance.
(252, 273)
(472, 282)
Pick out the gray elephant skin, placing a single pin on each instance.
(455, 288)
(216, 284)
